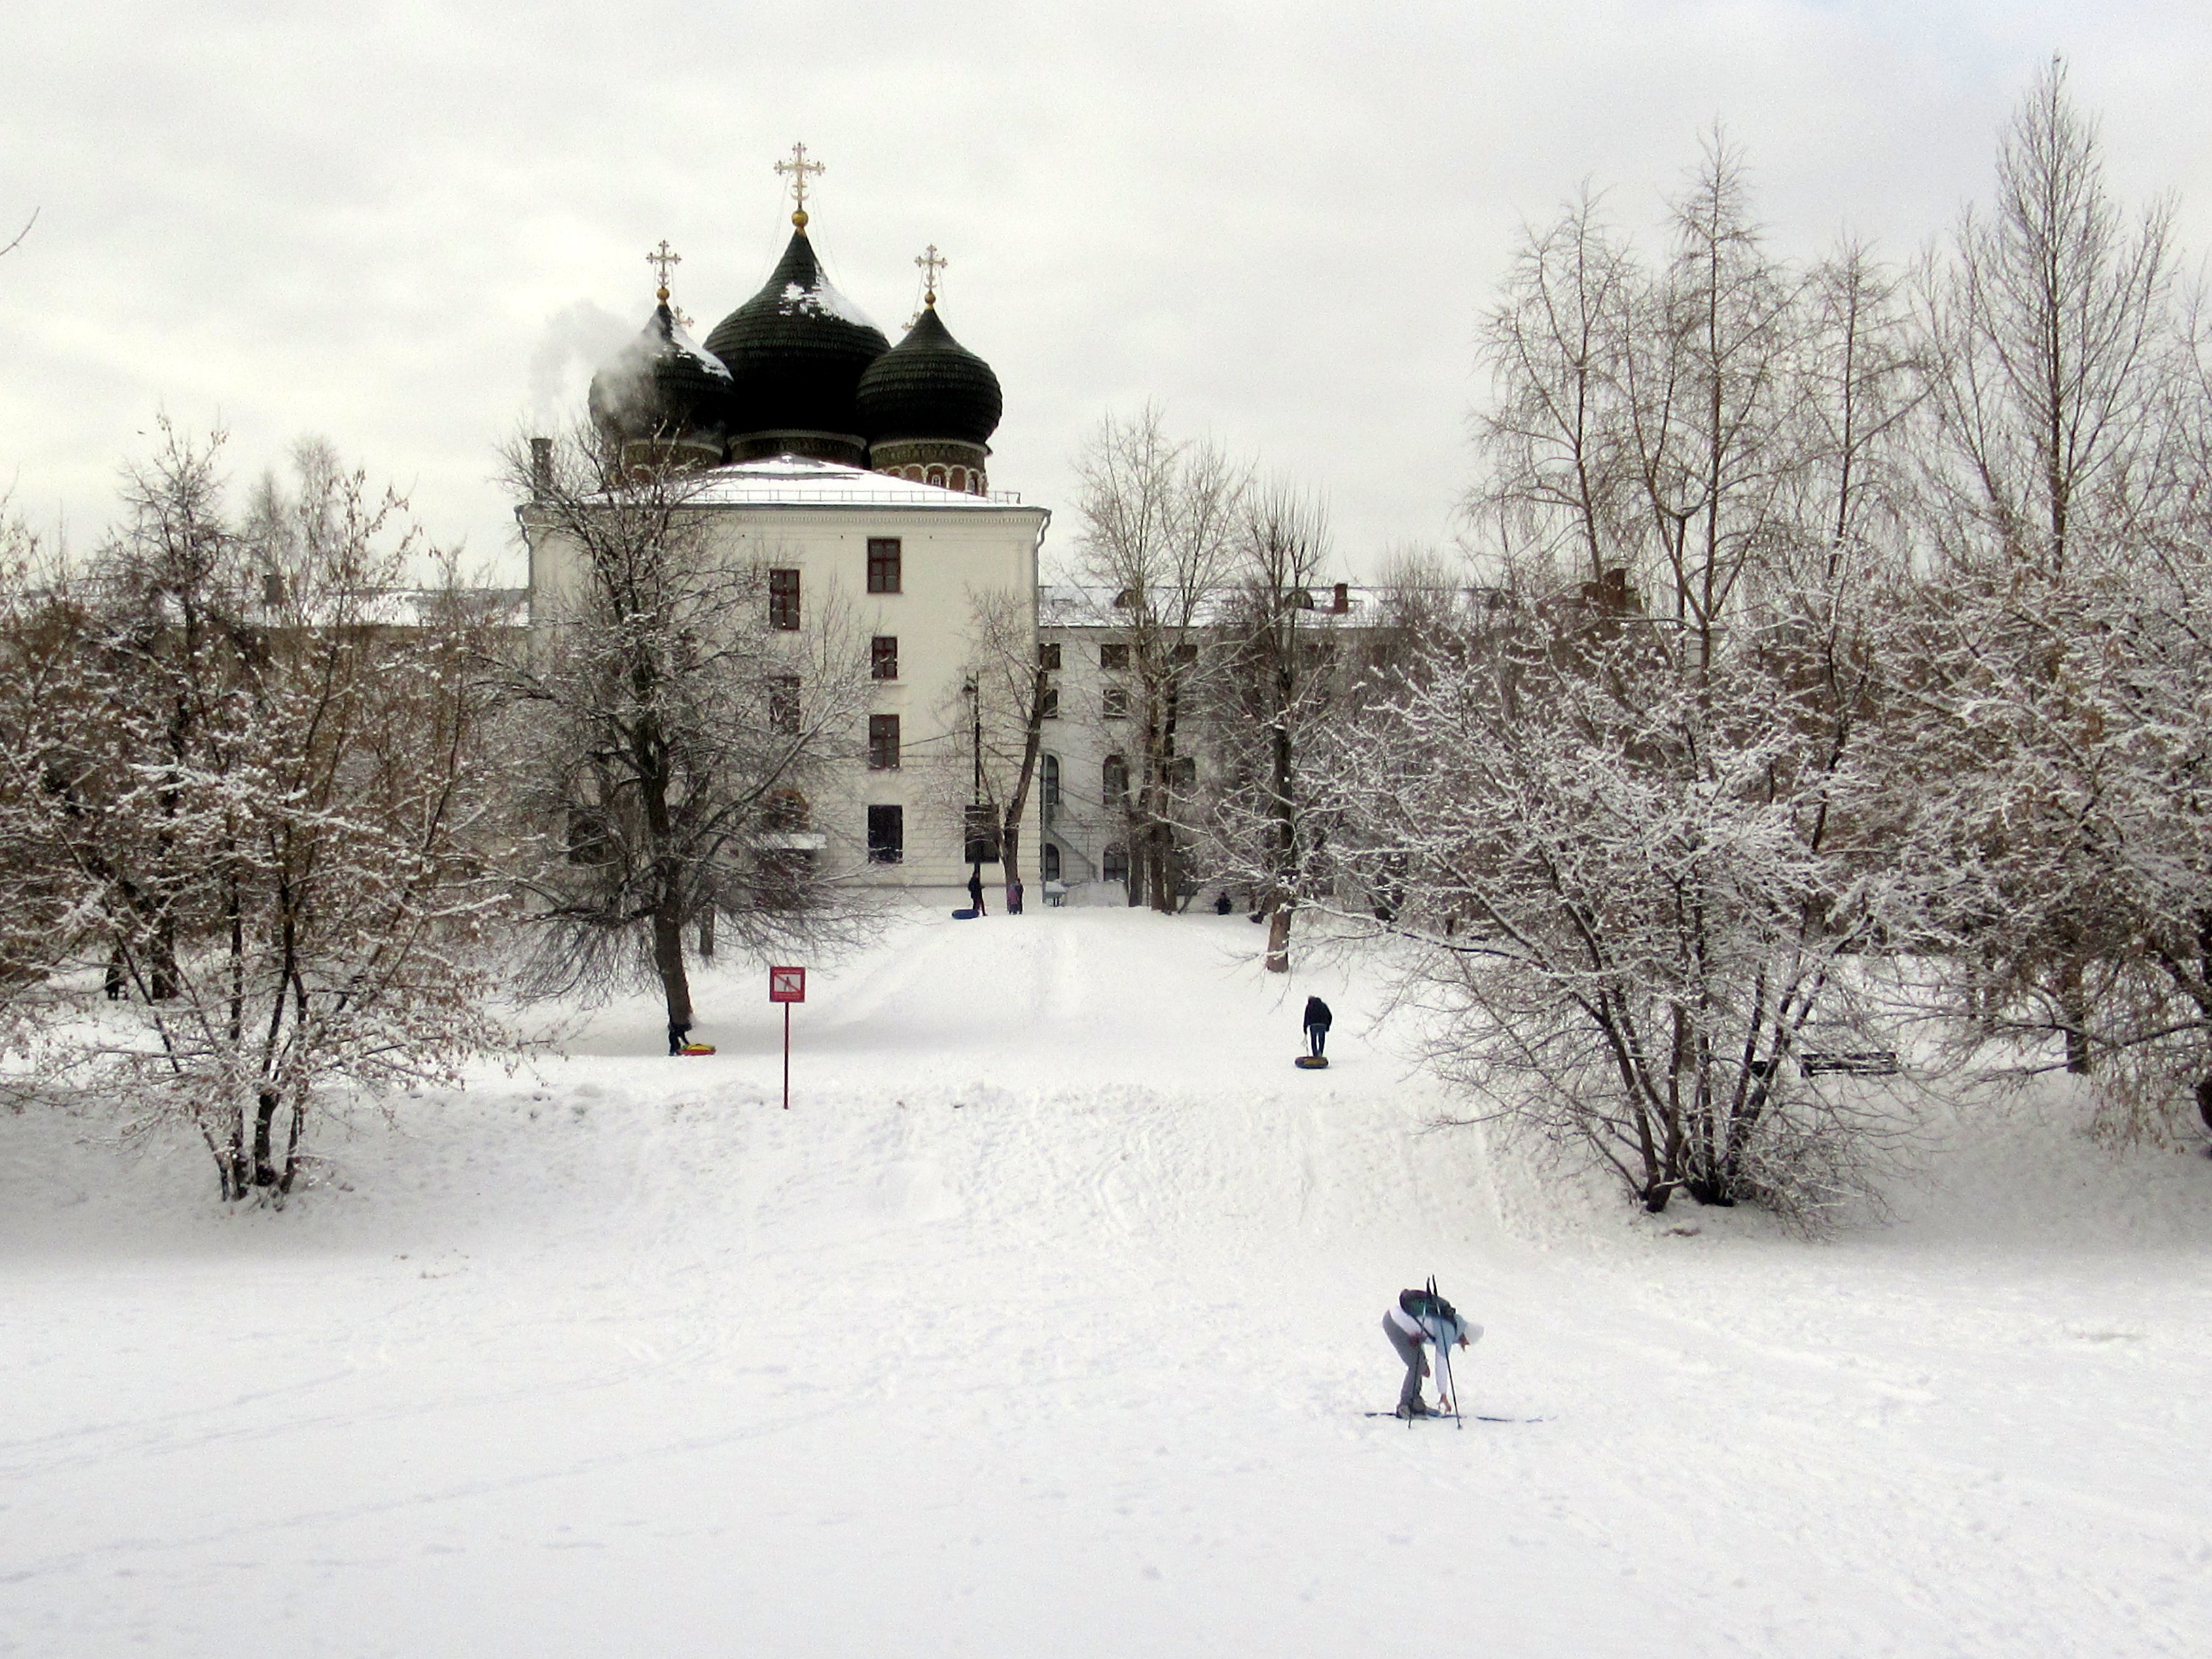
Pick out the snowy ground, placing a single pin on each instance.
(1043, 1324)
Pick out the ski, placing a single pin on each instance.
(1447, 1417)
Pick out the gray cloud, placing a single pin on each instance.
(410, 227)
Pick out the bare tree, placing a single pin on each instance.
(247, 767)
(2057, 397)
(672, 731)
(2057, 766)
(1634, 903)
(1559, 485)
(1275, 684)
(1858, 383)
(2052, 360)
(1000, 716)
(1705, 363)
(1159, 520)
(1623, 814)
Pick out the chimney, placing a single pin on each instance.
(1340, 598)
(541, 468)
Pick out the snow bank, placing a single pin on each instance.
(1044, 1323)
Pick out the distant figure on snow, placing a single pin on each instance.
(1013, 898)
(1424, 1319)
(679, 1033)
(1318, 1020)
(976, 889)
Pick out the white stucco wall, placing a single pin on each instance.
(818, 518)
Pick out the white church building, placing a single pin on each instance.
(863, 468)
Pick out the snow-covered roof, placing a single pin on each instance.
(798, 480)
(820, 298)
(1075, 604)
(680, 337)
(410, 607)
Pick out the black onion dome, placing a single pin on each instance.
(662, 384)
(796, 350)
(930, 385)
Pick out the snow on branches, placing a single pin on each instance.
(240, 795)
(1637, 899)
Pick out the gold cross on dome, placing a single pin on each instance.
(930, 261)
(798, 167)
(664, 259)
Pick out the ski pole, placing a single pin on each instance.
(1459, 1411)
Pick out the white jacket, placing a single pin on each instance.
(1431, 1328)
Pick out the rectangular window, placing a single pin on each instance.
(1049, 657)
(1117, 704)
(1113, 658)
(883, 564)
(883, 656)
(979, 845)
(886, 834)
(883, 743)
(783, 599)
(783, 703)
(1051, 709)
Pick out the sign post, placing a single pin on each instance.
(787, 986)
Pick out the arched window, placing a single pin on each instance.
(1048, 783)
(937, 476)
(1115, 864)
(1113, 779)
(1049, 859)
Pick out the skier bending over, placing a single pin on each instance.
(1423, 1318)
(1318, 1020)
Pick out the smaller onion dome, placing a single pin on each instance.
(663, 385)
(929, 386)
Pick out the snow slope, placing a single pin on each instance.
(1043, 1324)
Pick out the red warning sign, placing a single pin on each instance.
(787, 985)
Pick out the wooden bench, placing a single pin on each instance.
(1861, 1062)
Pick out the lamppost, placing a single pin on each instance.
(976, 841)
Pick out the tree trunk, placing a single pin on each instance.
(2205, 1099)
(164, 982)
(264, 1116)
(707, 935)
(292, 1146)
(1278, 938)
(2074, 1010)
(668, 963)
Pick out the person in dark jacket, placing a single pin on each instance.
(976, 889)
(1318, 1020)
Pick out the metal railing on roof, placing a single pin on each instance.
(782, 495)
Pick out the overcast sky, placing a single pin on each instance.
(412, 228)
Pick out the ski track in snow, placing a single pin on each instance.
(1044, 1324)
